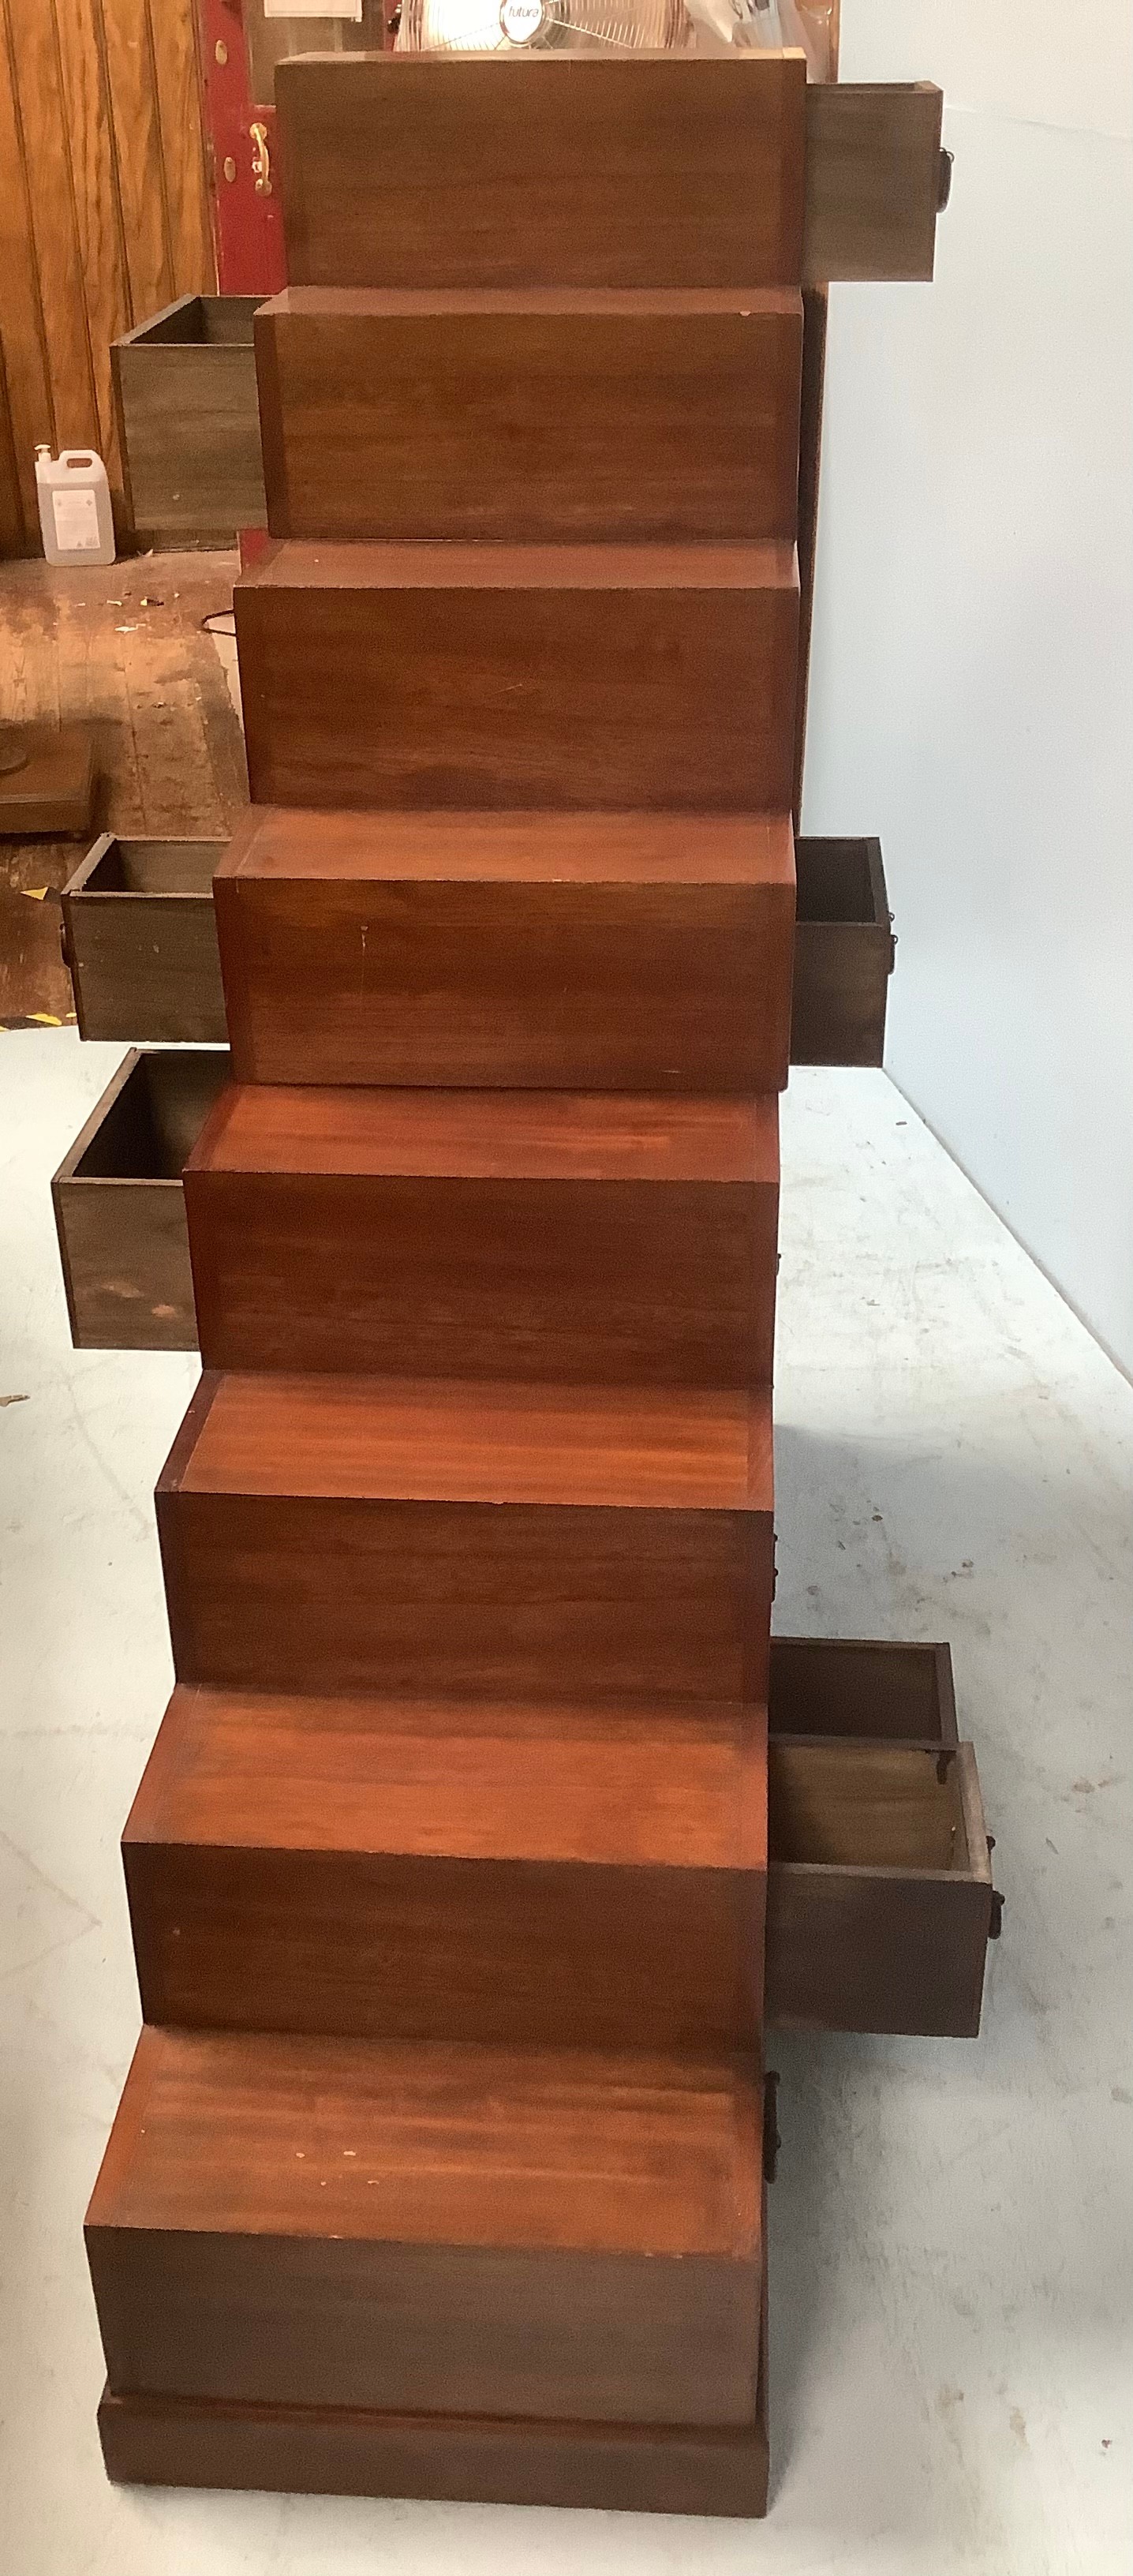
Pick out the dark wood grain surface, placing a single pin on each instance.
(872, 179)
(299, 566)
(194, 2442)
(326, 1594)
(265, 1130)
(879, 1895)
(141, 944)
(540, 847)
(530, 415)
(578, 172)
(610, 2256)
(844, 953)
(631, 1785)
(869, 1687)
(514, 676)
(185, 401)
(536, 1234)
(120, 1207)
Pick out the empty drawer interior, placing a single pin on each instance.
(871, 1687)
(867, 1806)
(837, 880)
(150, 1128)
(200, 321)
(154, 867)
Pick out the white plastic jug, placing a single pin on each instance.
(74, 506)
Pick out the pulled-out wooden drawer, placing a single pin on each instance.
(844, 951)
(140, 934)
(120, 1205)
(185, 386)
(879, 1895)
(878, 1690)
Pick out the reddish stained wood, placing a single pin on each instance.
(580, 172)
(449, 2219)
(356, 1437)
(579, 1876)
(553, 676)
(537, 1234)
(322, 1534)
(613, 951)
(512, 414)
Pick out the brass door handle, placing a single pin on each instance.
(261, 159)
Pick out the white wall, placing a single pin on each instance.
(973, 654)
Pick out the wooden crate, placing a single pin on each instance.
(185, 389)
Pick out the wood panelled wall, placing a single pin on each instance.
(104, 217)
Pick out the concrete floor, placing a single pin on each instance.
(951, 2233)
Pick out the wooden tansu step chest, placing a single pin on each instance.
(487, 1826)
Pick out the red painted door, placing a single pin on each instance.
(240, 47)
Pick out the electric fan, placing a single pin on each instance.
(615, 26)
(523, 26)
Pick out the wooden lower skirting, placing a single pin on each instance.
(338, 2450)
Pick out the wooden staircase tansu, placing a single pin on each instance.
(439, 2168)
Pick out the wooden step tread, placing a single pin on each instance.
(260, 1128)
(439, 2144)
(647, 1786)
(535, 949)
(281, 843)
(467, 1442)
(622, 302)
(576, 1876)
(434, 2228)
(743, 564)
(528, 1234)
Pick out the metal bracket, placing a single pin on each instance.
(771, 2138)
(995, 1926)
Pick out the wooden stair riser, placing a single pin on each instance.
(307, 1593)
(587, 172)
(375, 678)
(622, 988)
(311, 2222)
(384, 1947)
(536, 417)
(428, 2329)
(648, 1281)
